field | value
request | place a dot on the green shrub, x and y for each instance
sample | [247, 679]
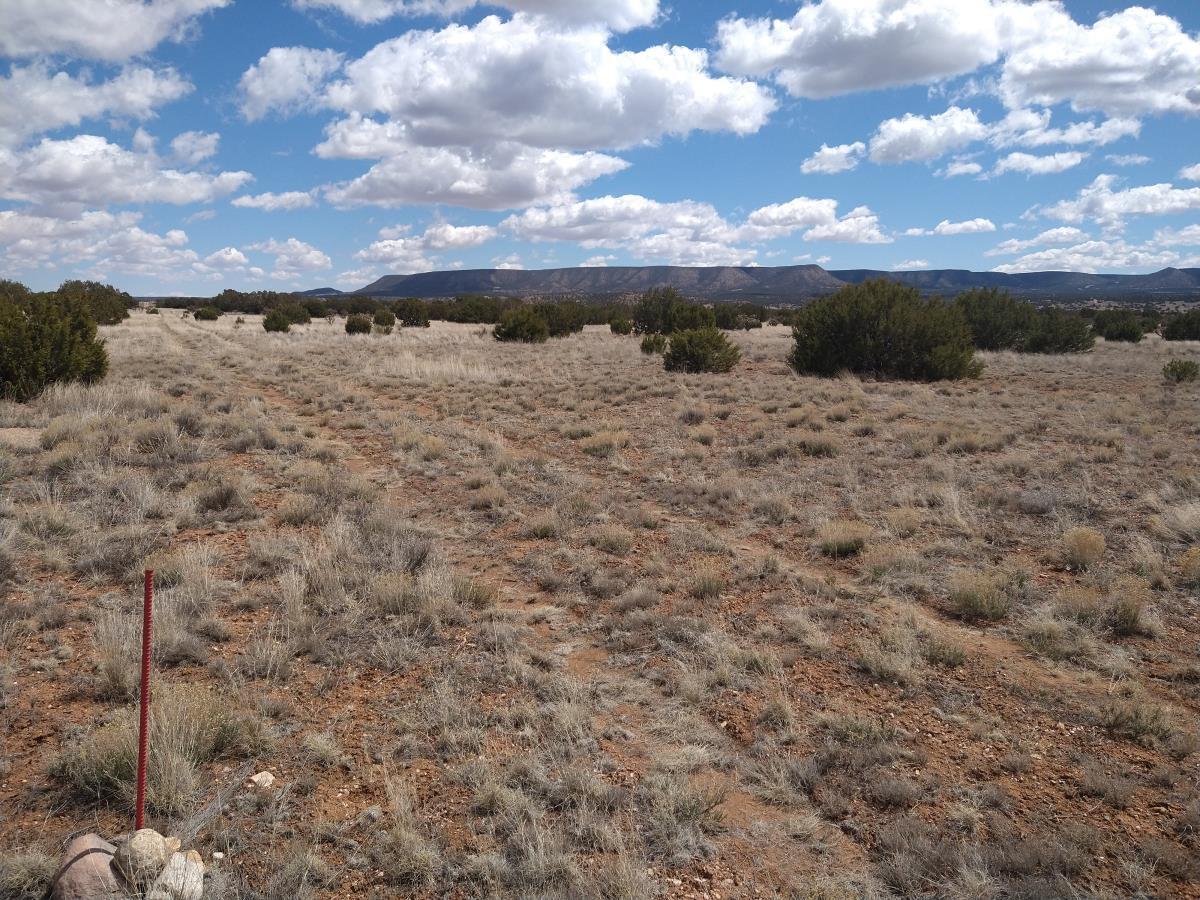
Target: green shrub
[700, 350]
[1184, 327]
[654, 343]
[358, 324]
[297, 314]
[107, 305]
[1179, 371]
[45, 338]
[152, 311]
[276, 320]
[523, 325]
[997, 320]
[562, 318]
[665, 311]
[885, 329]
[738, 316]
[385, 320]
[1000, 322]
[412, 313]
[1118, 325]
[206, 314]
[621, 325]
[1056, 331]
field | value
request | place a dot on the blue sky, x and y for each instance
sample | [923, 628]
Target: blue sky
[184, 146]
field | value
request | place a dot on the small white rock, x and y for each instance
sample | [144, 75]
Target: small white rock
[182, 879]
[262, 780]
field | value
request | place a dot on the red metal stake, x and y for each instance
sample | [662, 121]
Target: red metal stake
[147, 606]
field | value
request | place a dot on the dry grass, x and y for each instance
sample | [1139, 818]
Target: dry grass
[543, 621]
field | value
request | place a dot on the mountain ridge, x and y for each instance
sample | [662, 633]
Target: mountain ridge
[764, 282]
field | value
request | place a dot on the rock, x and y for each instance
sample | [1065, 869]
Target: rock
[142, 856]
[181, 879]
[173, 844]
[87, 871]
[262, 780]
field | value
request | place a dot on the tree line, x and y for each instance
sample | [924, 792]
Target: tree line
[879, 328]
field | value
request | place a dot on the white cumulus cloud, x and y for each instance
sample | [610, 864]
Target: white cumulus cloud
[620, 15]
[1032, 164]
[35, 99]
[87, 170]
[194, 147]
[112, 30]
[1099, 202]
[1130, 63]
[405, 252]
[831, 160]
[913, 138]
[1051, 237]
[946, 227]
[286, 80]
[504, 176]
[293, 257]
[271, 202]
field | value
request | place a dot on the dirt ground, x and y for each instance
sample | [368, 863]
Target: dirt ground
[547, 621]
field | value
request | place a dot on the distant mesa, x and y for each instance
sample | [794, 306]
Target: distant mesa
[763, 283]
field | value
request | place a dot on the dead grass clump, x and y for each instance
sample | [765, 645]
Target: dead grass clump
[302, 509]
[775, 509]
[226, 499]
[1056, 638]
[426, 598]
[890, 656]
[612, 539]
[543, 527]
[189, 725]
[679, 818]
[114, 554]
[605, 443]
[817, 445]
[268, 654]
[324, 751]
[488, 497]
[402, 852]
[1083, 547]
[842, 537]
[640, 597]
[979, 597]
[1112, 789]
[8, 561]
[1137, 718]
[26, 875]
[1120, 609]
[1189, 567]
[905, 520]
[1180, 523]
[894, 792]
[941, 651]
[706, 585]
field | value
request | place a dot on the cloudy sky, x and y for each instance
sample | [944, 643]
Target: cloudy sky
[183, 146]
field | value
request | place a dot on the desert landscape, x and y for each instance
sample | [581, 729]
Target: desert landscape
[544, 621]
